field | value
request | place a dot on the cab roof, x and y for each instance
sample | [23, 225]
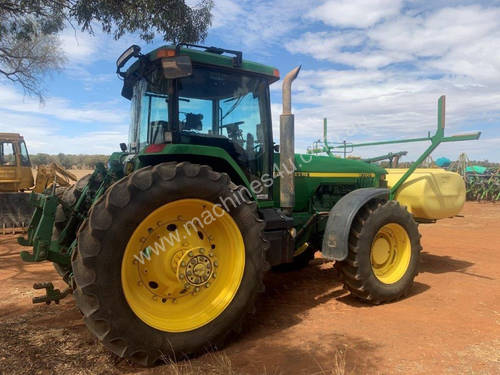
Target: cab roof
[10, 137]
[211, 56]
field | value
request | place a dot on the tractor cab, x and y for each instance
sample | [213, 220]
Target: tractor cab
[184, 95]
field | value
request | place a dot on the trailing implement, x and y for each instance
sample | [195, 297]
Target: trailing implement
[165, 248]
[483, 184]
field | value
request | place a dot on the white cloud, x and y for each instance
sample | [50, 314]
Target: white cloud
[225, 13]
[60, 126]
[78, 46]
[43, 135]
[355, 13]
[257, 24]
[395, 69]
[62, 109]
[451, 40]
[374, 104]
[82, 48]
[397, 59]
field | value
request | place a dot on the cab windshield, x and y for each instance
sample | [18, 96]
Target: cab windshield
[211, 107]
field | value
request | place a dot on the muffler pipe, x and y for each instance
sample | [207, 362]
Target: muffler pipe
[287, 146]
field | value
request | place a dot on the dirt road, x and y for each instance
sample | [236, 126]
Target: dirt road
[305, 323]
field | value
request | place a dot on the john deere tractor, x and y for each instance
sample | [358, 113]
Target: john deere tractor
[164, 249]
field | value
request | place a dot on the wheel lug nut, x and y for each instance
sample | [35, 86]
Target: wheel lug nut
[183, 264]
[211, 254]
[202, 250]
[207, 285]
[197, 289]
[214, 275]
[190, 254]
[181, 276]
[216, 264]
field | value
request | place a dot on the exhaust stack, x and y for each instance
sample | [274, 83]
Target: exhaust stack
[287, 146]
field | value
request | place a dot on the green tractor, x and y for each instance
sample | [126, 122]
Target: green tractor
[165, 248]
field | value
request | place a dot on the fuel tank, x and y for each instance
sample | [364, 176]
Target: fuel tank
[429, 193]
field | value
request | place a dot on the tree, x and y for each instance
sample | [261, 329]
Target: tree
[29, 46]
[28, 42]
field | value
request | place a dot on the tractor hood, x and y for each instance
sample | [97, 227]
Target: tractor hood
[331, 178]
[308, 163]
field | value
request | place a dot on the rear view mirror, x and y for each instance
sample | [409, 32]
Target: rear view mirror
[132, 51]
[176, 67]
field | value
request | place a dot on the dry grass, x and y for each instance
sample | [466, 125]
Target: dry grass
[216, 363]
[338, 366]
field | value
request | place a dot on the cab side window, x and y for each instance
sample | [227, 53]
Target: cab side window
[7, 155]
[25, 159]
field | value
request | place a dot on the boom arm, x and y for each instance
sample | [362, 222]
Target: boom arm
[436, 140]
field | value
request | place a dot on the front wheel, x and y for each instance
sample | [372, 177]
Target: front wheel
[384, 252]
[169, 262]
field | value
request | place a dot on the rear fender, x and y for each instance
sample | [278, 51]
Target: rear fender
[336, 238]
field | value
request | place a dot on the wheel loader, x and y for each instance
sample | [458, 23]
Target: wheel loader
[16, 178]
[164, 248]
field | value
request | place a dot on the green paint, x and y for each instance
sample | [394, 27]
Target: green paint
[42, 223]
[183, 150]
[305, 186]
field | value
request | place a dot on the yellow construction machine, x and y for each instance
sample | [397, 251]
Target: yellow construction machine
[16, 179]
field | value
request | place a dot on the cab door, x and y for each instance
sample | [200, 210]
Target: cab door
[9, 179]
[25, 172]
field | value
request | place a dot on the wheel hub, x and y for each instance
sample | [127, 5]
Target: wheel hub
[196, 268]
[381, 251]
[390, 253]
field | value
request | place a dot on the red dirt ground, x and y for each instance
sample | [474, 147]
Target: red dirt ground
[306, 323]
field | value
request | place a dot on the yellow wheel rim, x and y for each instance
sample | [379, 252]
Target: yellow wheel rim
[183, 265]
[390, 253]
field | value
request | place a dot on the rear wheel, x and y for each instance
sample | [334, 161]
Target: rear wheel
[162, 270]
[384, 251]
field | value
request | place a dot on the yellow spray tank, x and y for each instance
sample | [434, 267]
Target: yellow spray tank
[429, 193]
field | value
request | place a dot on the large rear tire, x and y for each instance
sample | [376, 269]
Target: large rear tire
[384, 252]
[171, 305]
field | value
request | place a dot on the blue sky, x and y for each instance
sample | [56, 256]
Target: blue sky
[374, 68]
